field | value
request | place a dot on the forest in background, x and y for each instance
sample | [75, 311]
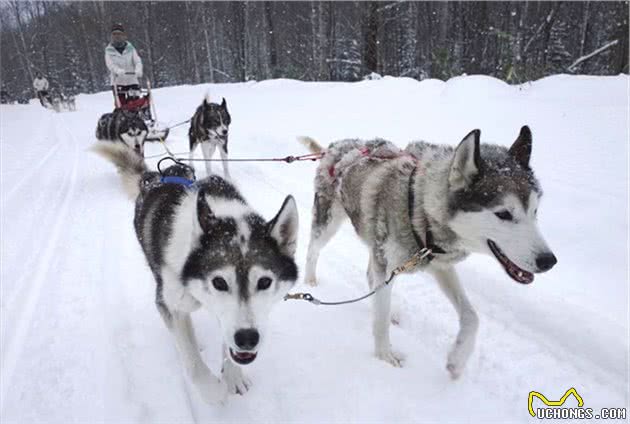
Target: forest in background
[189, 42]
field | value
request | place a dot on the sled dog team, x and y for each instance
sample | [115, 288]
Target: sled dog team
[208, 248]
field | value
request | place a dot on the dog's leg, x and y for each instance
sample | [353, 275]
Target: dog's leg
[382, 306]
[233, 375]
[468, 321]
[191, 154]
[224, 156]
[211, 388]
[328, 216]
[208, 150]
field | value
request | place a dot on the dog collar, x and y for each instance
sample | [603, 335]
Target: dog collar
[178, 180]
[429, 249]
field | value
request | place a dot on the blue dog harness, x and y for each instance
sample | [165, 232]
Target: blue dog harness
[189, 184]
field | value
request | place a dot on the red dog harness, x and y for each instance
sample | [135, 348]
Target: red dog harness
[365, 152]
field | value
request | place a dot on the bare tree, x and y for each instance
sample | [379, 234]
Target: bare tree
[209, 51]
[370, 37]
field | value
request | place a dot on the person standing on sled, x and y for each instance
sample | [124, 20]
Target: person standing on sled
[123, 62]
[40, 84]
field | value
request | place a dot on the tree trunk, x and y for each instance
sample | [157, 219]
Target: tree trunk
[585, 17]
[239, 34]
[207, 40]
[370, 37]
[191, 42]
[271, 40]
[86, 44]
[322, 68]
[25, 58]
[148, 37]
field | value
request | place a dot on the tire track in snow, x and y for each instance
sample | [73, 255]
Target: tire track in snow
[13, 347]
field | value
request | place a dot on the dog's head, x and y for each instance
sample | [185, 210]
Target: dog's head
[493, 202]
[215, 120]
[132, 129]
[241, 267]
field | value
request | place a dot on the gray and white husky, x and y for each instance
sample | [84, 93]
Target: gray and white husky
[207, 248]
[123, 126]
[451, 201]
[209, 127]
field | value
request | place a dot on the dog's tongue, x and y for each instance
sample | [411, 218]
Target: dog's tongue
[519, 275]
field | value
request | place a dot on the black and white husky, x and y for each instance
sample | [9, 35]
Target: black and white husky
[209, 127]
[445, 202]
[207, 248]
[125, 127]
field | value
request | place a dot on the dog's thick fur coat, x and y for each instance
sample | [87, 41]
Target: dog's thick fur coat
[209, 128]
[122, 126]
[473, 198]
[207, 248]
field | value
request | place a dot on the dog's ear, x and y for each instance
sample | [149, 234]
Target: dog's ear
[284, 226]
[521, 150]
[206, 100]
[204, 214]
[224, 104]
[466, 163]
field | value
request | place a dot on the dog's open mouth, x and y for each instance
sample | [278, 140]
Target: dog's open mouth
[519, 275]
[243, 358]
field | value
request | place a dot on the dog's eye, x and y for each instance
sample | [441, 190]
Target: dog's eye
[220, 284]
[264, 283]
[504, 215]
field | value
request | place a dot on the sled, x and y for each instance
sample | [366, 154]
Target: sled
[141, 102]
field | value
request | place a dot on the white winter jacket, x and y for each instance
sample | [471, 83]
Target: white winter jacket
[40, 84]
[125, 68]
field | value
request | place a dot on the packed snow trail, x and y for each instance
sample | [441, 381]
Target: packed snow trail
[82, 341]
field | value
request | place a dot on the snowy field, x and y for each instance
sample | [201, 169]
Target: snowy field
[82, 341]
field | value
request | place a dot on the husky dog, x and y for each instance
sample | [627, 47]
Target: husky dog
[125, 127]
[68, 102]
[207, 248]
[56, 103]
[209, 127]
[438, 200]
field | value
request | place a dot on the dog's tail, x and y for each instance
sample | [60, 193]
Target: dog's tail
[130, 165]
[312, 145]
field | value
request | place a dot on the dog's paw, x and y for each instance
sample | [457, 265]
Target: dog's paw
[454, 370]
[236, 381]
[311, 281]
[211, 389]
[455, 363]
[458, 357]
[392, 358]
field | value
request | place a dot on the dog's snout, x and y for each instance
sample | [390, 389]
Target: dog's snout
[546, 261]
[223, 131]
[246, 338]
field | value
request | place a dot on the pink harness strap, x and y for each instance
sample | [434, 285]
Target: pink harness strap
[365, 151]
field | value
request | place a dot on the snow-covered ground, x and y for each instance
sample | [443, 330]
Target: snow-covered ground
[82, 341]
